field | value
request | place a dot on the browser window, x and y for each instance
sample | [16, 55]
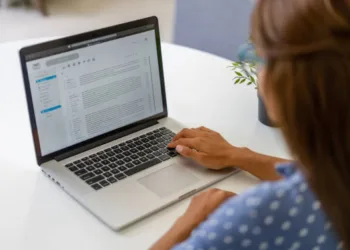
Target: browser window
[96, 88]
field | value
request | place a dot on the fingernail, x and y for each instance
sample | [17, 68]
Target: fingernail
[179, 148]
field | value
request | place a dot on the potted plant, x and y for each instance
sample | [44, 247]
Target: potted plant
[246, 73]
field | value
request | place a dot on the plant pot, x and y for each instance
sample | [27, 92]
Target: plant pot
[263, 116]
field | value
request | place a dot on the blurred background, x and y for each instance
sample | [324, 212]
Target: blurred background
[215, 26]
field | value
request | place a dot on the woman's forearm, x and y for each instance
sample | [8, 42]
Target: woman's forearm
[259, 165]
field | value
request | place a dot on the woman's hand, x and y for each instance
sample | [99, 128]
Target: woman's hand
[199, 209]
[206, 147]
[202, 205]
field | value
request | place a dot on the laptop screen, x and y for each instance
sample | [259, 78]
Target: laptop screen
[89, 88]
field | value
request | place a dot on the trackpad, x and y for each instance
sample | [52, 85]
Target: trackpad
[168, 181]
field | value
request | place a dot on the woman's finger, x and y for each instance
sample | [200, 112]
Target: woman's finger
[188, 142]
[202, 128]
[190, 153]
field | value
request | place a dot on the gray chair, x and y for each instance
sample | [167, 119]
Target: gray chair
[215, 26]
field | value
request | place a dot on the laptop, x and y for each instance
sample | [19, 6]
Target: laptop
[100, 125]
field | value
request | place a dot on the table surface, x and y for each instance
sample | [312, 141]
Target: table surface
[36, 214]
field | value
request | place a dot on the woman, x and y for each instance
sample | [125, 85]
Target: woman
[305, 83]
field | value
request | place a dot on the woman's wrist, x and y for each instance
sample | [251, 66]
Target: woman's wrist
[239, 157]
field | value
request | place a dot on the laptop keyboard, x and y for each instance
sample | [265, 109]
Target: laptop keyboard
[116, 163]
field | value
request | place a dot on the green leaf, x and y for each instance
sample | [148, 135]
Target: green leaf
[249, 83]
[239, 74]
[243, 80]
[252, 79]
[237, 81]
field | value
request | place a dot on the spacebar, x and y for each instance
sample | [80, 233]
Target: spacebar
[142, 167]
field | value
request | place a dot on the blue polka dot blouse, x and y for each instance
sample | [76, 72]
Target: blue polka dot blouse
[273, 215]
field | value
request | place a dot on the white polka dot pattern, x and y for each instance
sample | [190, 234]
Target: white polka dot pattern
[284, 215]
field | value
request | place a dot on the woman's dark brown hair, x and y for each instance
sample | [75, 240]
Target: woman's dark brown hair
[306, 44]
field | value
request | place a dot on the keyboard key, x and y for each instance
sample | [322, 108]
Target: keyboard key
[146, 145]
[157, 135]
[77, 162]
[164, 157]
[131, 145]
[95, 159]
[172, 154]
[98, 172]
[120, 176]
[100, 153]
[104, 183]
[110, 154]
[117, 151]
[95, 179]
[160, 140]
[127, 153]
[112, 165]
[162, 128]
[73, 168]
[87, 176]
[120, 162]
[136, 162]
[115, 147]
[96, 186]
[133, 150]
[93, 155]
[144, 140]
[112, 180]
[151, 137]
[154, 143]
[142, 167]
[129, 165]
[127, 159]
[122, 168]
[108, 150]
[80, 172]
[140, 148]
[150, 156]
[154, 148]
[103, 157]
[143, 136]
[81, 165]
[138, 143]
[105, 162]
[69, 165]
[88, 162]
[98, 165]
[147, 150]
[120, 156]
[115, 171]
[157, 153]
[85, 159]
[90, 168]
[112, 159]
[122, 144]
[143, 159]
[141, 154]
[134, 157]
[105, 168]
[125, 148]
[161, 146]
[108, 174]
[163, 150]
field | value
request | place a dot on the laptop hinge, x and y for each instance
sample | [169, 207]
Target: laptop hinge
[105, 140]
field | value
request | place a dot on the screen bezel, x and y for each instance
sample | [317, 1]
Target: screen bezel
[81, 38]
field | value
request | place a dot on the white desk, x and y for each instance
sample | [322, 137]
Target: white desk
[36, 214]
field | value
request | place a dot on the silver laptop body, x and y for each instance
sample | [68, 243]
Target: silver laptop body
[100, 125]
